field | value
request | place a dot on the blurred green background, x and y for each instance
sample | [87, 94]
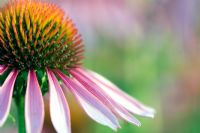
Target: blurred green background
[150, 49]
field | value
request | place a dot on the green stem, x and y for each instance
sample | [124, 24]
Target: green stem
[20, 110]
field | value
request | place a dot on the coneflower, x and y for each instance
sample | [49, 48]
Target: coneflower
[40, 46]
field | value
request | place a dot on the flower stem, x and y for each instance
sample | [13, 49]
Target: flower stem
[20, 110]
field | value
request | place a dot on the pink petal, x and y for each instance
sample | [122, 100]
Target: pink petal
[3, 68]
[6, 91]
[118, 95]
[104, 97]
[124, 114]
[59, 109]
[91, 87]
[92, 106]
[34, 105]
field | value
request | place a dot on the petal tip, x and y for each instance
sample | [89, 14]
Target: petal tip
[138, 124]
[2, 123]
[152, 115]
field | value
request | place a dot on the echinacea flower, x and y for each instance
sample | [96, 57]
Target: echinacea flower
[39, 46]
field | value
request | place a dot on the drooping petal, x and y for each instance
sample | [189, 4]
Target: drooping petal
[91, 87]
[92, 106]
[3, 68]
[34, 105]
[118, 95]
[6, 91]
[125, 115]
[59, 109]
[104, 97]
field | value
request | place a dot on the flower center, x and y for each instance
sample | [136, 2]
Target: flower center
[36, 35]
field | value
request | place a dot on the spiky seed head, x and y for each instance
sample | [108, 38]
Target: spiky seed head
[36, 35]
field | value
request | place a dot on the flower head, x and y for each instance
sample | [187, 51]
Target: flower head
[36, 35]
[40, 46]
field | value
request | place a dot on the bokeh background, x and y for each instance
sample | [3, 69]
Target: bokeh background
[150, 49]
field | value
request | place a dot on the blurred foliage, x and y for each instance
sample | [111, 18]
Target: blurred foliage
[139, 67]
